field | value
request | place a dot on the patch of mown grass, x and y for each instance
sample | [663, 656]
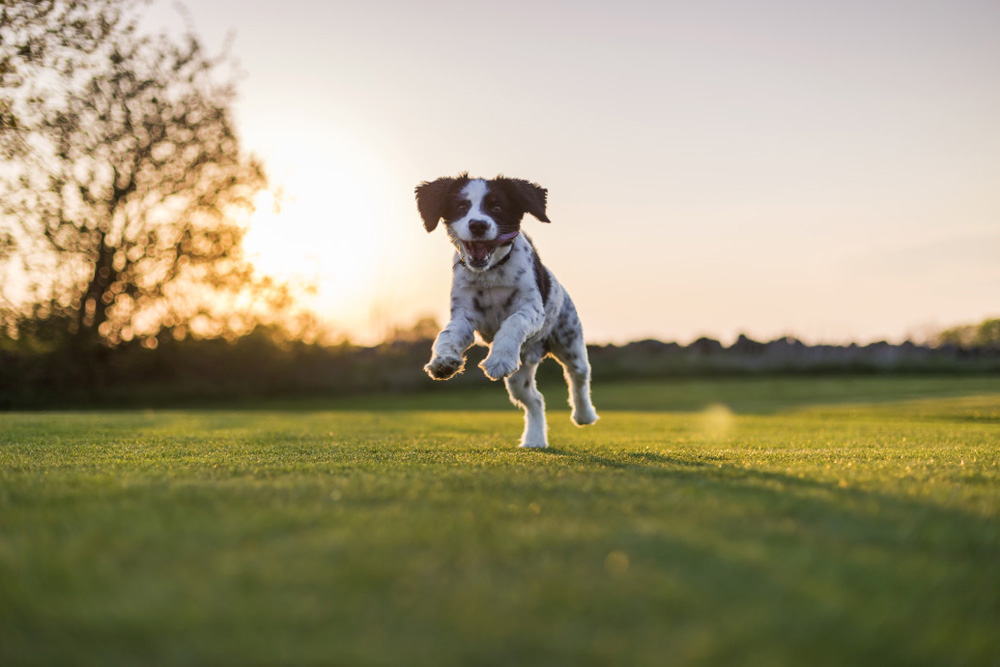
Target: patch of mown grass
[746, 394]
[836, 533]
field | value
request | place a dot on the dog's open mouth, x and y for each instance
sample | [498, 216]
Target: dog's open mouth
[478, 253]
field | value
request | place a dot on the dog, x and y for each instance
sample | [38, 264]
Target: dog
[502, 291]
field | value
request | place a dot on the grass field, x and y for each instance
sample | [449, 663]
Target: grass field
[797, 521]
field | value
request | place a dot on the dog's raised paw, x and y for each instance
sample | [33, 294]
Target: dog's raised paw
[498, 367]
[444, 367]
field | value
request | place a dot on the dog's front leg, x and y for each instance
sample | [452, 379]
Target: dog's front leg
[505, 352]
[447, 354]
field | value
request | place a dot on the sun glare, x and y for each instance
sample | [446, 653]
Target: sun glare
[320, 228]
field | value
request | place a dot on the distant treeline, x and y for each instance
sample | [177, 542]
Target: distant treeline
[261, 365]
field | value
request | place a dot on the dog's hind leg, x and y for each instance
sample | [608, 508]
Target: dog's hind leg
[576, 370]
[524, 394]
[570, 350]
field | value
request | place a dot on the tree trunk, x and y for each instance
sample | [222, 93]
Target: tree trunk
[93, 308]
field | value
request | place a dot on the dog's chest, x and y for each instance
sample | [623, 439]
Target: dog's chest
[489, 308]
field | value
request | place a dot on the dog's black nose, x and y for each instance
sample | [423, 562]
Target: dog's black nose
[478, 227]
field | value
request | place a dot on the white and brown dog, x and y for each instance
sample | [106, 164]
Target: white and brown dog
[501, 290]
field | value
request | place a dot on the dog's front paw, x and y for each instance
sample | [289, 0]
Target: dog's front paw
[442, 367]
[498, 366]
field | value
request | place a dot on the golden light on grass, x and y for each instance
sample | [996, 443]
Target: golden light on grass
[617, 563]
[717, 421]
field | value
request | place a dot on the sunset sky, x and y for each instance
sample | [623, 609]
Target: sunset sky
[819, 169]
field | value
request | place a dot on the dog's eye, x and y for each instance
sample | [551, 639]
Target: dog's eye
[461, 207]
[496, 208]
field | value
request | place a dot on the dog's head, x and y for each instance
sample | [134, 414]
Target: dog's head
[482, 217]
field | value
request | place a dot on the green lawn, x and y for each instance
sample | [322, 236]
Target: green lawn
[791, 522]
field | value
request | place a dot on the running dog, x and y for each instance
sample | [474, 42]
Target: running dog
[502, 291]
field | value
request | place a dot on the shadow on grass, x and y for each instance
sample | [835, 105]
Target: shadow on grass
[855, 574]
[652, 464]
[845, 503]
[715, 562]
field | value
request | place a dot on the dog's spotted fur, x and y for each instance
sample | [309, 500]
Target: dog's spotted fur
[502, 291]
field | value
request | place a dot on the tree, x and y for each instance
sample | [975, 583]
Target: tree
[126, 189]
[984, 334]
[49, 36]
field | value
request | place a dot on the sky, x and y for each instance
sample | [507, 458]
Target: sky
[824, 170]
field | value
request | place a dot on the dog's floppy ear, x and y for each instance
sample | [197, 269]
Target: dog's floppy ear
[432, 198]
[529, 196]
